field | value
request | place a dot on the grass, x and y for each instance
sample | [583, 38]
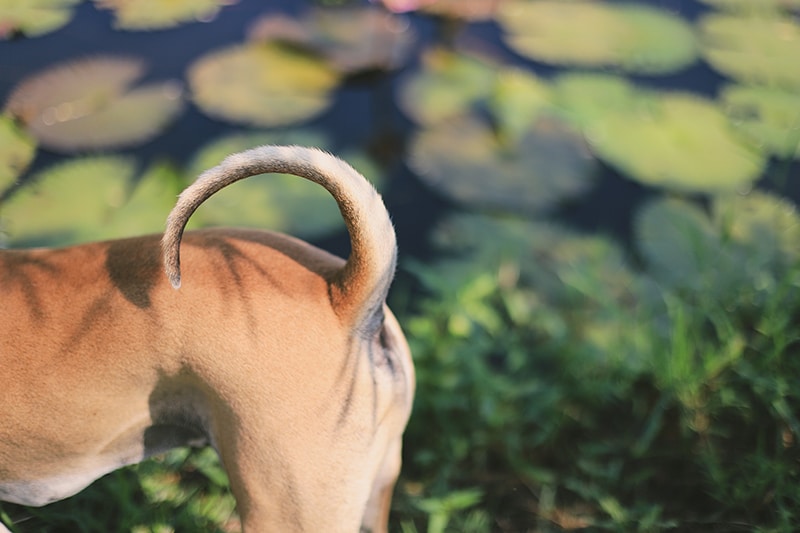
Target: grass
[560, 395]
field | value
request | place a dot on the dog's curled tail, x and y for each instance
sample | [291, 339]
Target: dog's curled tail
[360, 288]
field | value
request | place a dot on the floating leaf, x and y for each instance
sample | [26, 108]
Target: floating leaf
[768, 117]
[160, 14]
[679, 244]
[470, 10]
[17, 149]
[68, 203]
[447, 85]
[738, 255]
[281, 28]
[759, 50]
[88, 104]
[766, 228]
[353, 39]
[674, 140]
[750, 5]
[277, 202]
[464, 160]
[632, 37]
[146, 208]
[517, 100]
[33, 17]
[261, 84]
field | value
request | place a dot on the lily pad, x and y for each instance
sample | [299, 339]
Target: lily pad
[750, 5]
[739, 253]
[261, 84]
[447, 85]
[680, 245]
[17, 149]
[464, 160]
[277, 202]
[353, 39]
[517, 100]
[33, 17]
[160, 14]
[765, 226]
[769, 117]
[635, 38]
[758, 50]
[673, 140]
[68, 203]
[469, 10]
[89, 104]
[147, 206]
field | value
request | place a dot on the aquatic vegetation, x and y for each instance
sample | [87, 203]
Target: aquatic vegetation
[261, 84]
[467, 162]
[446, 85]
[635, 38]
[768, 117]
[748, 6]
[152, 15]
[382, 41]
[753, 49]
[91, 104]
[16, 151]
[33, 17]
[683, 142]
[44, 212]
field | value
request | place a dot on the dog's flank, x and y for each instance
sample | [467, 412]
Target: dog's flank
[282, 356]
[364, 281]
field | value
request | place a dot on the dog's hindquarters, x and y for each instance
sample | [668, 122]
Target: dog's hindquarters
[362, 452]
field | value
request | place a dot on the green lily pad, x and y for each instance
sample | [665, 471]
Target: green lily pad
[451, 84]
[679, 244]
[160, 14]
[147, 206]
[469, 10]
[517, 99]
[17, 149]
[261, 84]
[588, 98]
[766, 227]
[89, 104]
[447, 85]
[353, 39]
[33, 17]
[276, 202]
[673, 140]
[464, 160]
[581, 33]
[751, 6]
[738, 254]
[758, 50]
[68, 203]
[769, 117]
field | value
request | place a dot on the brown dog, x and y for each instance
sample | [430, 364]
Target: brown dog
[280, 355]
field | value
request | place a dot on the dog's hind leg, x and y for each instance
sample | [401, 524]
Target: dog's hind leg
[304, 485]
[376, 515]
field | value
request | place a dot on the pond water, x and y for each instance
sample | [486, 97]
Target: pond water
[366, 111]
